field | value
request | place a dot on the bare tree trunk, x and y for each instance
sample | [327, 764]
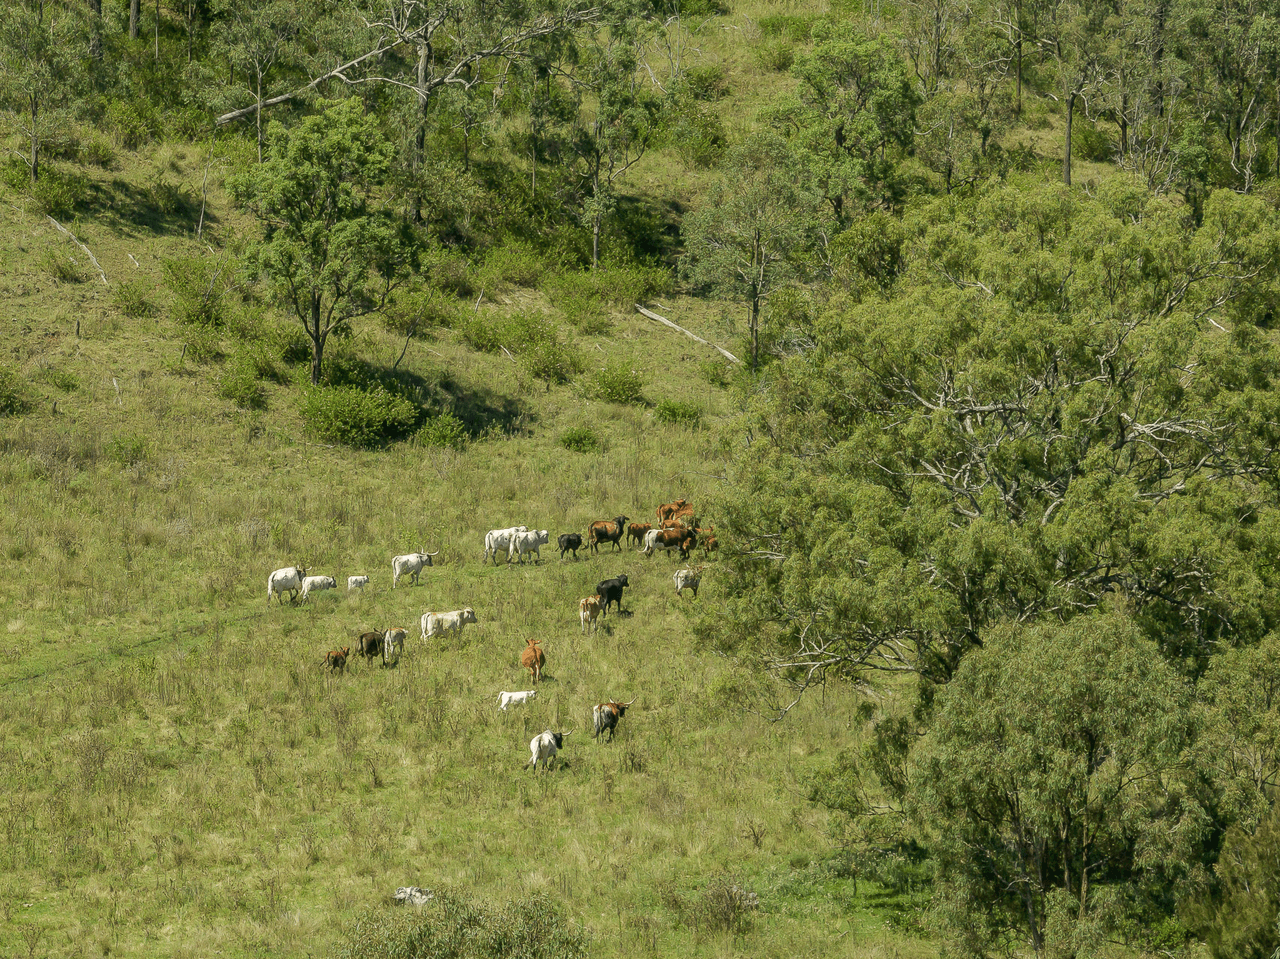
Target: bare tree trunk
[134, 11]
[95, 29]
[1066, 156]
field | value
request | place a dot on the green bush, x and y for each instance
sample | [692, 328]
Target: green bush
[454, 928]
[533, 338]
[1089, 142]
[581, 439]
[680, 413]
[617, 383]
[416, 311]
[788, 26]
[357, 418]
[706, 81]
[13, 393]
[164, 196]
[515, 263]
[127, 450]
[15, 173]
[240, 384]
[775, 55]
[134, 122]
[444, 429]
[63, 380]
[200, 286]
[132, 299]
[620, 286]
[99, 152]
[449, 271]
[202, 343]
[698, 135]
[58, 192]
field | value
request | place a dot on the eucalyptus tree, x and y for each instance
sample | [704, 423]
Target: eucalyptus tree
[37, 69]
[756, 228]
[331, 246]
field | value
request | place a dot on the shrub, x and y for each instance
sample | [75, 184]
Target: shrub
[416, 311]
[13, 393]
[134, 122]
[126, 450]
[15, 173]
[1088, 142]
[57, 192]
[62, 266]
[621, 286]
[60, 379]
[202, 343]
[99, 152]
[240, 384]
[774, 55]
[533, 338]
[581, 439]
[788, 26]
[444, 429]
[454, 928]
[165, 197]
[617, 383]
[706, 81]
[449, 271]
[727, 906]
[200, 287]
[677, 412]
[355, 417]
[131, 298]
[514, 263]
[698, 136]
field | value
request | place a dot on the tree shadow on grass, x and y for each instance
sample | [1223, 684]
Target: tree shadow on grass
[480, 409]
[156, 206]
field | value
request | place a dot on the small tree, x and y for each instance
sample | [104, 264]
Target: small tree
[36, 65]
[755, 229]
[331, 248]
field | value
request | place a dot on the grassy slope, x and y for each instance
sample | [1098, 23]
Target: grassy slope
[182, 777]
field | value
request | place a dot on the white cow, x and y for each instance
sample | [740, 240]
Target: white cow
[433, 624]
[315, 584]
[289, 578]
[543, 748]
[393, 644]
[500, 539]
[688, 579]
[509, 699]
[357, 582]
[410, 564]
[527, 541]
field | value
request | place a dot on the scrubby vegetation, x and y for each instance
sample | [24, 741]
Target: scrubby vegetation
[980, 408]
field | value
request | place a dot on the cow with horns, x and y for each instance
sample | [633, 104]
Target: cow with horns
[607, 716]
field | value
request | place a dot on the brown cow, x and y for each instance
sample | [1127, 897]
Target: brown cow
[636, 532]
[603, 531]
[707, 538]
[336, 659]
[533, 659]
[680, 512]
[669, 539]
[369, 645]
[589, 612]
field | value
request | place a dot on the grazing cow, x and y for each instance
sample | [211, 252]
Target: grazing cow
[543, 748]
[527, 541]
[533, 659]
[688, 579]
[410, 564]
[675, 511]
[707, 538]
[500, 539]
[369, 645]
[606, 717]
[610, 591]
[336, 659]
[433, 624]
[357, 582]
[316, 584]
[669, 539]
[516, 699]
[589, 612]
[602, 531]
[636, 531]
[393, 641]
[569, 542]
[289, 578]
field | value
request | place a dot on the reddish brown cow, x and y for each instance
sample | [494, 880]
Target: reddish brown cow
[668, 510]
[336, 659]
[707, 538]
[669, 539]
[636, 532]
[602, 531]
[533, 659]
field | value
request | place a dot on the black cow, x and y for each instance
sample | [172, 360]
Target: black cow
[611, 592]
[369, 644]
[570, 542]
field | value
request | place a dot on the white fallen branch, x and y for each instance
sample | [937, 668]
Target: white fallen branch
[65, 232]
[693, 336]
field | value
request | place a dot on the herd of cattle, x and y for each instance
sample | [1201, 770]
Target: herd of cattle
[677, 529]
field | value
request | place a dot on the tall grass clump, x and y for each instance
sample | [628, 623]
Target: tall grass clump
[358, 418]
[533, 338]
[414, 312]
[580, 439]
[454, 928]
[616, 383]
[239, 382]
[14, 400]
[132, 298]
[444, 429]
[678, 413]
[201, 289]
[515, 263]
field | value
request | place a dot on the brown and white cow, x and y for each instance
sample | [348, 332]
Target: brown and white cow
[636, 532]
[669, 539]
[607, 715]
